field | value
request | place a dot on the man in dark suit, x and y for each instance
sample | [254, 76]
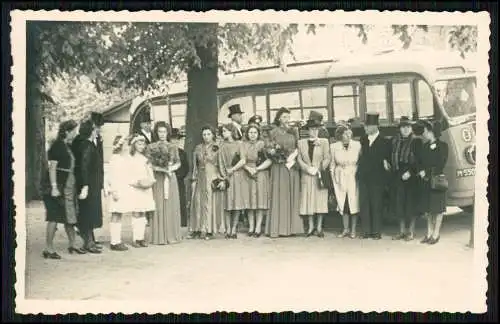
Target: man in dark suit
[181, 174]
[145, 128]
[372, 176]
[236, 116]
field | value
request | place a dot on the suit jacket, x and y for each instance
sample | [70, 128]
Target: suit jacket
[182, 172]
[148, 141]
[371, 161]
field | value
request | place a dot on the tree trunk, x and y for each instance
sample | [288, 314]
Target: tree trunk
[202, 92]
[35, 163]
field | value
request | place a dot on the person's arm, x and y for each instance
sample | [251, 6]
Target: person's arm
[326, 154]
[174, 151]
[302, 164]
[241, 162]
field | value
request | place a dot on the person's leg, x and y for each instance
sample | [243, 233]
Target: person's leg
[365, 210]
[70, 232]
[251, 221]
[115, 229]
[377, 199]
[319, 224]
[236, 219]
[227, 217]
[428, 219]
[354, 222]
[310, 221]
[437, 227]
[49, 236]
[258, 224]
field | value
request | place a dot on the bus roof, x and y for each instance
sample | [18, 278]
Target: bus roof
[430, 64]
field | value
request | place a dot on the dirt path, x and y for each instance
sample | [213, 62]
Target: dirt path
[263, 274]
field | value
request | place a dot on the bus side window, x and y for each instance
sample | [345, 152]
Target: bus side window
[289, 100]
[178, 111]
[345, 101]
[314, 99]
[376, 99]
[425, 100]
[402, 100]
[261, 108]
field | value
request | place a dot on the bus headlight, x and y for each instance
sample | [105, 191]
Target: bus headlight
[466, 134]
[470, 154]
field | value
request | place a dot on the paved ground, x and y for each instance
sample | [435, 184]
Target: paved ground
[264, 274]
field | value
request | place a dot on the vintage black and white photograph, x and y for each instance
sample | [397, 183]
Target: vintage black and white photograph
[184, 162]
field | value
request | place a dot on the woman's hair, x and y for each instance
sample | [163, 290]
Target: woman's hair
[117, 146]
[134, 139]
[65, 127]
[211, 129]
[252, 126]
[341, 129]
[86, 128]
[434, 127]
[230, 127]
[159, 125]
[280, 112]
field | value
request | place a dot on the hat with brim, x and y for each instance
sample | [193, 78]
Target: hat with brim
[405, 121]
[434, 126]
[257, 119]
[314, 115]
[313, 123]
[234, 109]
[176, 133]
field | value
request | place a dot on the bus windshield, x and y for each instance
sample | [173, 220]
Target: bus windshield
[457, 96]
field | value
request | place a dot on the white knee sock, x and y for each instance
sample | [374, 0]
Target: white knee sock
[138, 228]
[115, 230]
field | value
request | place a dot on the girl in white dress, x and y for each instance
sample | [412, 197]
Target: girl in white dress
[141, 192]
[118, 183]
[345, 154]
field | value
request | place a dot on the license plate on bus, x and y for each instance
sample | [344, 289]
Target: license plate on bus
[470, 172]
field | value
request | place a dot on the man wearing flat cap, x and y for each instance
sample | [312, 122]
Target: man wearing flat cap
[236, 116]
[372, 174]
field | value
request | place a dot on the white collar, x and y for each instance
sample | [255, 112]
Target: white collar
[373, 137]
[236, 124]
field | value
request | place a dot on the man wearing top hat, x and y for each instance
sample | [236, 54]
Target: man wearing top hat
[236, 116]
[181, 174]
[372, 174]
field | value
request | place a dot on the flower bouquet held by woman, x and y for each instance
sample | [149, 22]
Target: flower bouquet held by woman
[159, 157]
[277, 154]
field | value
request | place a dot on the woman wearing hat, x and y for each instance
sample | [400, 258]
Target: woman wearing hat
[313, 158]
[345, 155]
[433, 159]
[404, 181]
[283, 218]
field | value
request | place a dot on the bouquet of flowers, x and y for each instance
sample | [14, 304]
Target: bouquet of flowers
[159, 156]
[276, 153]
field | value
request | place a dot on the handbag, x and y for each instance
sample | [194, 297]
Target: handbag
[324, 180]
[439, 182]
[216, 182]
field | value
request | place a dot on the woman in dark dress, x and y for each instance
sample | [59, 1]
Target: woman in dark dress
[89, 184]
[433, 159]
[58, 187]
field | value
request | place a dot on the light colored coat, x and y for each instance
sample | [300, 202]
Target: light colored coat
[313, 199]
[344, 164]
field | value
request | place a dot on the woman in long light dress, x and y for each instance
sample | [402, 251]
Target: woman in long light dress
[166, 223]
[345, 154]
[207, 205]
[141, 195]
[283, 218]
[313, 158]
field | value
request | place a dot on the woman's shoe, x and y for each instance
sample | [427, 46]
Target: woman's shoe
[400, 236]
[353, 235]
[51, 255]
[227, 236]
[118, 247]
[136, 244]
[311, 233]
[345, 233]
[143, 243]
[76, 250]
[433, 241]
[321, 234]
[425, 240]
[257, 235]
[250, 234]
[93, 250]
[409, 237]
[234, 236]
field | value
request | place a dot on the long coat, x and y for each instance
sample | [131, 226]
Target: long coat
[89, 174]
[313, 199]
[181, 174]
[343, 171]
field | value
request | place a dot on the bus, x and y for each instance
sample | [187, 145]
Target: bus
[420, 84]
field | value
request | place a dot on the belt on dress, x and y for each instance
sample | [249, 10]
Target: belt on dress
[64, 170]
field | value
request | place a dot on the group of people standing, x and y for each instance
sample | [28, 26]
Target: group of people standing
[280, 182]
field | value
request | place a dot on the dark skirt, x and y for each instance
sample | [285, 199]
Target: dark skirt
[55, 210]
[405, 198]
[90, 210]
[432, 201]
